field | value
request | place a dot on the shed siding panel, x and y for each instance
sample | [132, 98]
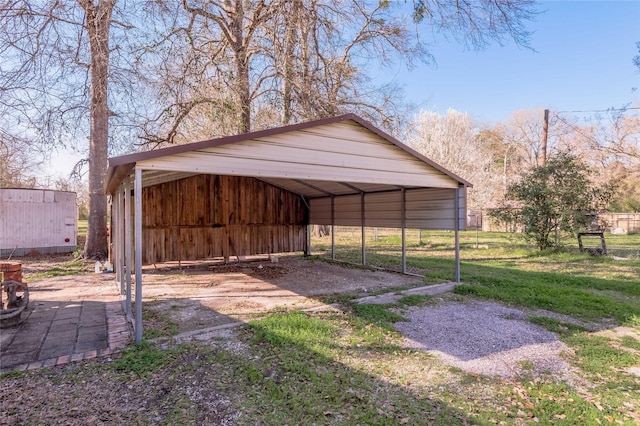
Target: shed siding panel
[37, 220]
[320, 211]
[426, 208]
[208, 216]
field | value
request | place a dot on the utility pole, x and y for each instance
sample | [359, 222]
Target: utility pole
[545, 134]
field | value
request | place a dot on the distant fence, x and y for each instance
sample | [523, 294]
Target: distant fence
[616, 223]
[620, 223]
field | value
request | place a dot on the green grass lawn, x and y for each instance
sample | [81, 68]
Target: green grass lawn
[348, 368]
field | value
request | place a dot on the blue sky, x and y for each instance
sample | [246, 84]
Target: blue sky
[582, 61]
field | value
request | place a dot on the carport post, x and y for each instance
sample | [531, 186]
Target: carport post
[403, 208]
[138, 251]
[307, 246]
[364, 249]
[127, 245]
[119, 241]
[456, 227]
[333, 234]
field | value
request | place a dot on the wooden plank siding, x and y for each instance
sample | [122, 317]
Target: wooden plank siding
[206, 216]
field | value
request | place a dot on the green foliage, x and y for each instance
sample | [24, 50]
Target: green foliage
[585, 297]
[556, 197]
[376, 314]
[11, 374]
[415, 300]
[143, 359]
[292, 328]
[557, 326]
[69, 268]
[157, 324]
[596, 354]
[630, 342]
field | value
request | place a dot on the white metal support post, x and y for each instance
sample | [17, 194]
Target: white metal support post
[138, 254]
[404, 231]
[364, 248]
[307, 245]
[333, 229]
[457, 231]
[127, 245]
[118, 241]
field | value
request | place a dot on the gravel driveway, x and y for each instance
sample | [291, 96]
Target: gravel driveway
[484, 338]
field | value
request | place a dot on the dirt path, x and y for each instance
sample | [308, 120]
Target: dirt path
[197, 296]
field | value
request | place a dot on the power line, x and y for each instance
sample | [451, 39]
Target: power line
[578, 130]
[600, 110]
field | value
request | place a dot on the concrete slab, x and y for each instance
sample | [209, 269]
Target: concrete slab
[66, 320]
[418, 291]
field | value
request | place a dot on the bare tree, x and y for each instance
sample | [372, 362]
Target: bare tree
[454, 141]
[58, 69]
[609, 144]
[237, 27]
[624, 139]
[523, 132]
[293, 60]
[98, 24]
[16, 163]
[320, 60]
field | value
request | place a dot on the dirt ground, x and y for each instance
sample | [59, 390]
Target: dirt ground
[202, 295]
[198, 295]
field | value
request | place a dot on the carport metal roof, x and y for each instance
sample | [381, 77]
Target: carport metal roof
[335, 156]
[323, 160]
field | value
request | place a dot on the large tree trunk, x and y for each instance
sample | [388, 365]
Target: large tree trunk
[242, 86]
[98, 18]
[289, 58]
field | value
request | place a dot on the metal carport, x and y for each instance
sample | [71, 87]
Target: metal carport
[347, 171]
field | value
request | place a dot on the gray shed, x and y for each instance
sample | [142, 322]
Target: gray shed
[259, 192]
[37, 221]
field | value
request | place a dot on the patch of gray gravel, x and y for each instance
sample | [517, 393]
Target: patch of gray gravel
[484, 338]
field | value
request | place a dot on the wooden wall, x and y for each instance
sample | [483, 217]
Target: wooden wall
[207, 216]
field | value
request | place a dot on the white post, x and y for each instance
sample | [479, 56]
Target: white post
[127, 245]
[138, 254]
[307, 246]
[404, 232]
[120, 242]
[457, 231]
[333, 230]
[364, 249]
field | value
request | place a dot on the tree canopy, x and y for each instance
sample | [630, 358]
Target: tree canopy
[555, 197]
[163, 72]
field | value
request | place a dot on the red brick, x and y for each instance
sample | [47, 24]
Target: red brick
[11, 271]
[10, 266]
[64, 359]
